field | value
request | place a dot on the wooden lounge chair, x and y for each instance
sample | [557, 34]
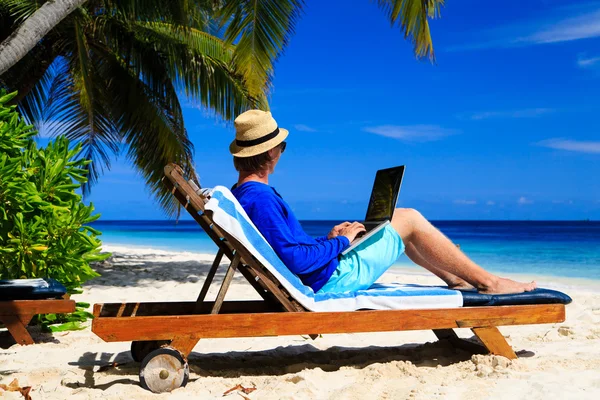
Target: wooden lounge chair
[164, 333]
[16, 314]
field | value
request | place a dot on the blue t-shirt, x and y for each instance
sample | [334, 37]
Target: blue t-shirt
[312, 259]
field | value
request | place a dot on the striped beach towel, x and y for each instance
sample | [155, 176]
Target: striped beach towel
[229, 215]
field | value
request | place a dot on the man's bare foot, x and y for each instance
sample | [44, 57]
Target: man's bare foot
[507, 286]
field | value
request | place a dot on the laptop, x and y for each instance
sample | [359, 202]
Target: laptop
[382, 204]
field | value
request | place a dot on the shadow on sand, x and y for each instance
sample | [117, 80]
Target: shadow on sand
[278, 361]
[151, 270]
[6, 340]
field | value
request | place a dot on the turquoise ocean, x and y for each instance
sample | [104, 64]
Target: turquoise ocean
[549, 248]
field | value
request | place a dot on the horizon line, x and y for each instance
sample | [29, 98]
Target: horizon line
[329, 220]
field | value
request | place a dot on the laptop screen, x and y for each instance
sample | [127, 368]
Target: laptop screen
[385, 194]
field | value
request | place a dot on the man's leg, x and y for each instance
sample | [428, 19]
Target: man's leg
[437, 250]
[453, 281]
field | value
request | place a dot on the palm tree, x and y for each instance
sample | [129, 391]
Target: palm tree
[109, 73]
[108, 76]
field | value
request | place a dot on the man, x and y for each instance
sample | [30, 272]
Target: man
[256, 150]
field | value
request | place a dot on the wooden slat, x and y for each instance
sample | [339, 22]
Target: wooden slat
[182, 308]
[494, 341]
[210, 276]
[225, 285]
[32, 307]
[298, 323]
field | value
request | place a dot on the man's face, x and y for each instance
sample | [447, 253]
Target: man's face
[275, 154]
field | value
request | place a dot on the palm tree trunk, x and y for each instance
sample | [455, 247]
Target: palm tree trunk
[21, 41]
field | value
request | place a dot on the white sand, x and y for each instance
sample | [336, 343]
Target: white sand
[557, 361]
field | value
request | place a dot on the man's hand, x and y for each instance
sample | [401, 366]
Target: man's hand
[335, 231]
[351, 230]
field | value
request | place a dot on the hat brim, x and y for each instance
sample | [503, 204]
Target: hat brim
[250, 151]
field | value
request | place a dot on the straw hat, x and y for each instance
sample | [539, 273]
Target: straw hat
[256, 131]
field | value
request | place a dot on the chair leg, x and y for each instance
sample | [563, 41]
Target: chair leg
[445, 334]
[210, 276]
[17, 329]
[25, 318]
[493, 340]
[184, 344]
[225, 285]
[450, 335]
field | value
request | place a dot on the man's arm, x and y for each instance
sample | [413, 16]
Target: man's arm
[299, 258]
[335, 231]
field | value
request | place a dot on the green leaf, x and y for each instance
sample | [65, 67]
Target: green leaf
[7, 97]
[69, 326]
[50, 317]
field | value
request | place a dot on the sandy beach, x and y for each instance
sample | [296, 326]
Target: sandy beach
[556, 360]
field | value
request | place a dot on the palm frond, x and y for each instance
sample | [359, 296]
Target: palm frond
[35, 105]
[412, 17]
[263, 28]
[21, 9]
[25, 74]
[201, 66]
[152, 130]
[195, 40]
[54, 106]
[185, 13]
[197, 63]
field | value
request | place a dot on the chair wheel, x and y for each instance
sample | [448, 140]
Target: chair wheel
[164, 370]
[141, 348]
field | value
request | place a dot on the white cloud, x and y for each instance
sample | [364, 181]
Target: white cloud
[524, 113]
[491, 203]
[562, 202]
[412, 133]
[304, 128]
[583, 26]
[559, 28]
[588, 62]
[571, 145]
[524, 200]
[466, 202]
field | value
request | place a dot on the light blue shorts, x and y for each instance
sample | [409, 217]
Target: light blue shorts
[362, 266]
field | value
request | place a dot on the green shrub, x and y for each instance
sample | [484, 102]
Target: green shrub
[43, 231]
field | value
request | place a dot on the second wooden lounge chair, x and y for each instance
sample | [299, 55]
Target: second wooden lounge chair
[164, 334]
[21, 299]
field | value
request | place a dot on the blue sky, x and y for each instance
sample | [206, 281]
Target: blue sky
[503, 126]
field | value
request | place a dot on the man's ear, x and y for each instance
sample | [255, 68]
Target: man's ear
[272, 153]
